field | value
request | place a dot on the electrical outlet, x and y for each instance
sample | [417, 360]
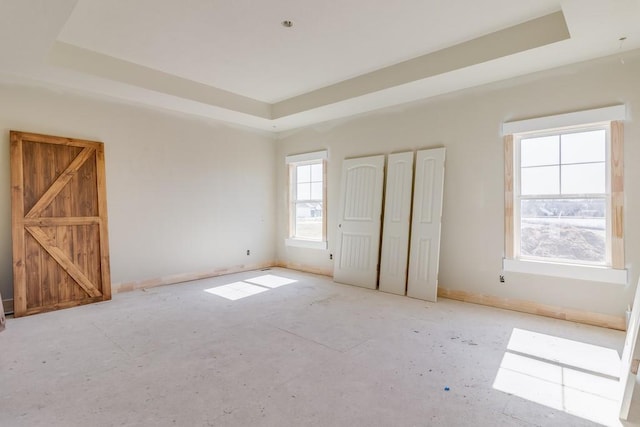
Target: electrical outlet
[248, 252]
[330, 256]
[501, 278]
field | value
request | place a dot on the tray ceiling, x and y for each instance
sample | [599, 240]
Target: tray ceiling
[234, 61]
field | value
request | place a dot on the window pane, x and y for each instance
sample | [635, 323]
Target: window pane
[540, 151]
[540, 180]
[308, 221]
[303, 173]
[564, 229]
[583, 147]
[316, 190]
[304, 192]
[316, 172]
[583, 179]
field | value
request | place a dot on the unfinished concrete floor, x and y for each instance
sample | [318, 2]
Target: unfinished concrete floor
[283, 348]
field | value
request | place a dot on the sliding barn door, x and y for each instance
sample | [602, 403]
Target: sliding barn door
[395, 230]
[425, 226]
[59, 223]
[359, 222]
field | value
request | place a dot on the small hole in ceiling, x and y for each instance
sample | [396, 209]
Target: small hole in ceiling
[287, 24]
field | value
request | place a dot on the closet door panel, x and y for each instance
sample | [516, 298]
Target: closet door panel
[424, 250]
[395, 231]
[358, 238]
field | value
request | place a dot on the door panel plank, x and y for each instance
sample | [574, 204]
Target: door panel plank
[80, 192]
[61, 258]
[60, 183]
[51, 270]
[17, 228]
[60, 204]
[44, 163]
[49, 283]
[103, 241]
[57, 140]
[92, 253]
[33, 258]
[64, 242]
[60, 221]
[79, 257]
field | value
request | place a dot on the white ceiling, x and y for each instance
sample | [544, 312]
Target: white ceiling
[241, 46]
[234, 61]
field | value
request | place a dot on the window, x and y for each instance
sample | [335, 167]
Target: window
[564, 194]
[307, 222]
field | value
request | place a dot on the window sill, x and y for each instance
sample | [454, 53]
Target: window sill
[310, 244]
[569, 271]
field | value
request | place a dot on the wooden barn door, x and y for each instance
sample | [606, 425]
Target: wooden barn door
[59, 223]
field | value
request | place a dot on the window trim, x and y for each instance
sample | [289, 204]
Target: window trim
[304, 243]
[292, 162]
[570, 271]
[577, 118]
[615, 272]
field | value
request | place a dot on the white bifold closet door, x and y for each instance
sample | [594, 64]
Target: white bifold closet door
[358, 238]
[395, 230]
[424, 250]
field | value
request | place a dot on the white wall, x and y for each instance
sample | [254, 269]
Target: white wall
[468, 124]
[184, 195]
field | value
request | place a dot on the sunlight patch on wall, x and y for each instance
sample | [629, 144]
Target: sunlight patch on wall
[577, 378]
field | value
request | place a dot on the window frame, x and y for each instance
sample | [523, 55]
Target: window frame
[293, 161]
[613, 117]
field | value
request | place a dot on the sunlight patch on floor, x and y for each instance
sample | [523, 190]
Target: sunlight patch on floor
[249, 287]
[577, 378]
[237, 290]
[271, 281]
[600, 360]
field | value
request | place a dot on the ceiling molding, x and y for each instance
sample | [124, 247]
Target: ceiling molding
[90, 62]
[532, 34]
